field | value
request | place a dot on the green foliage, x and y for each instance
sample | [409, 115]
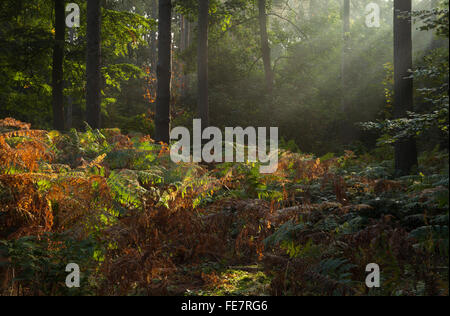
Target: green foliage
[26, 59]
[126, 189]
[345, 212]
[139, 224]
[40, 263]
[286, 233]
[338, 269]
[432, 78]
[432, 238]
[435, 19]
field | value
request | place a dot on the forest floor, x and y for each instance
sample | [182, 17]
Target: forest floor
[138, 224]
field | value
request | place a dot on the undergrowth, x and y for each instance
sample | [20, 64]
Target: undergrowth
[138, 224]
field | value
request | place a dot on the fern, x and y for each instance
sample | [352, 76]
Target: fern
[286, 232]
[432, 238]
[125, 188]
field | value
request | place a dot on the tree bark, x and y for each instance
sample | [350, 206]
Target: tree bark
[265, 48]
[162, 118]
[153, 40]
[345, 52]
[57, 70]
[69, 107]
[93, 64]
[405, 151]
[184, 44]
[203, 104]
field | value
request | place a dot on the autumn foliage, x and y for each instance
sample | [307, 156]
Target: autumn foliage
[142, 225]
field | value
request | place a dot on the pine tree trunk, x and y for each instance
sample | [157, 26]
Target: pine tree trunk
[265, 48]
[69, 108]
[162, 118]
[57, 71]
[203, 104]
[184, 44]
[405, 151]
[345, 53]
[153, 40]
[93, 64]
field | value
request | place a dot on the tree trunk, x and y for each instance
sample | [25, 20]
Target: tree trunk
[93, 64]
[153, 41]
[184, 44]
[162, 118]
[345, 53]
[182, 33]
[265, 48]
[203, 105]
[69, 108]
[405, 151]
[57, 71]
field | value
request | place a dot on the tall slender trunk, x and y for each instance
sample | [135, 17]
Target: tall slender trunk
[153, 40]
[184, 44]
[345, 53]
[185, 35]
[57, 71]
[182, 33]
[265, 48]
[203, 104]
[69, 108]
[405, 151]
[93, 64]
[162, 118]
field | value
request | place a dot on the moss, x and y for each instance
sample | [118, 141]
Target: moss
[234, 282]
